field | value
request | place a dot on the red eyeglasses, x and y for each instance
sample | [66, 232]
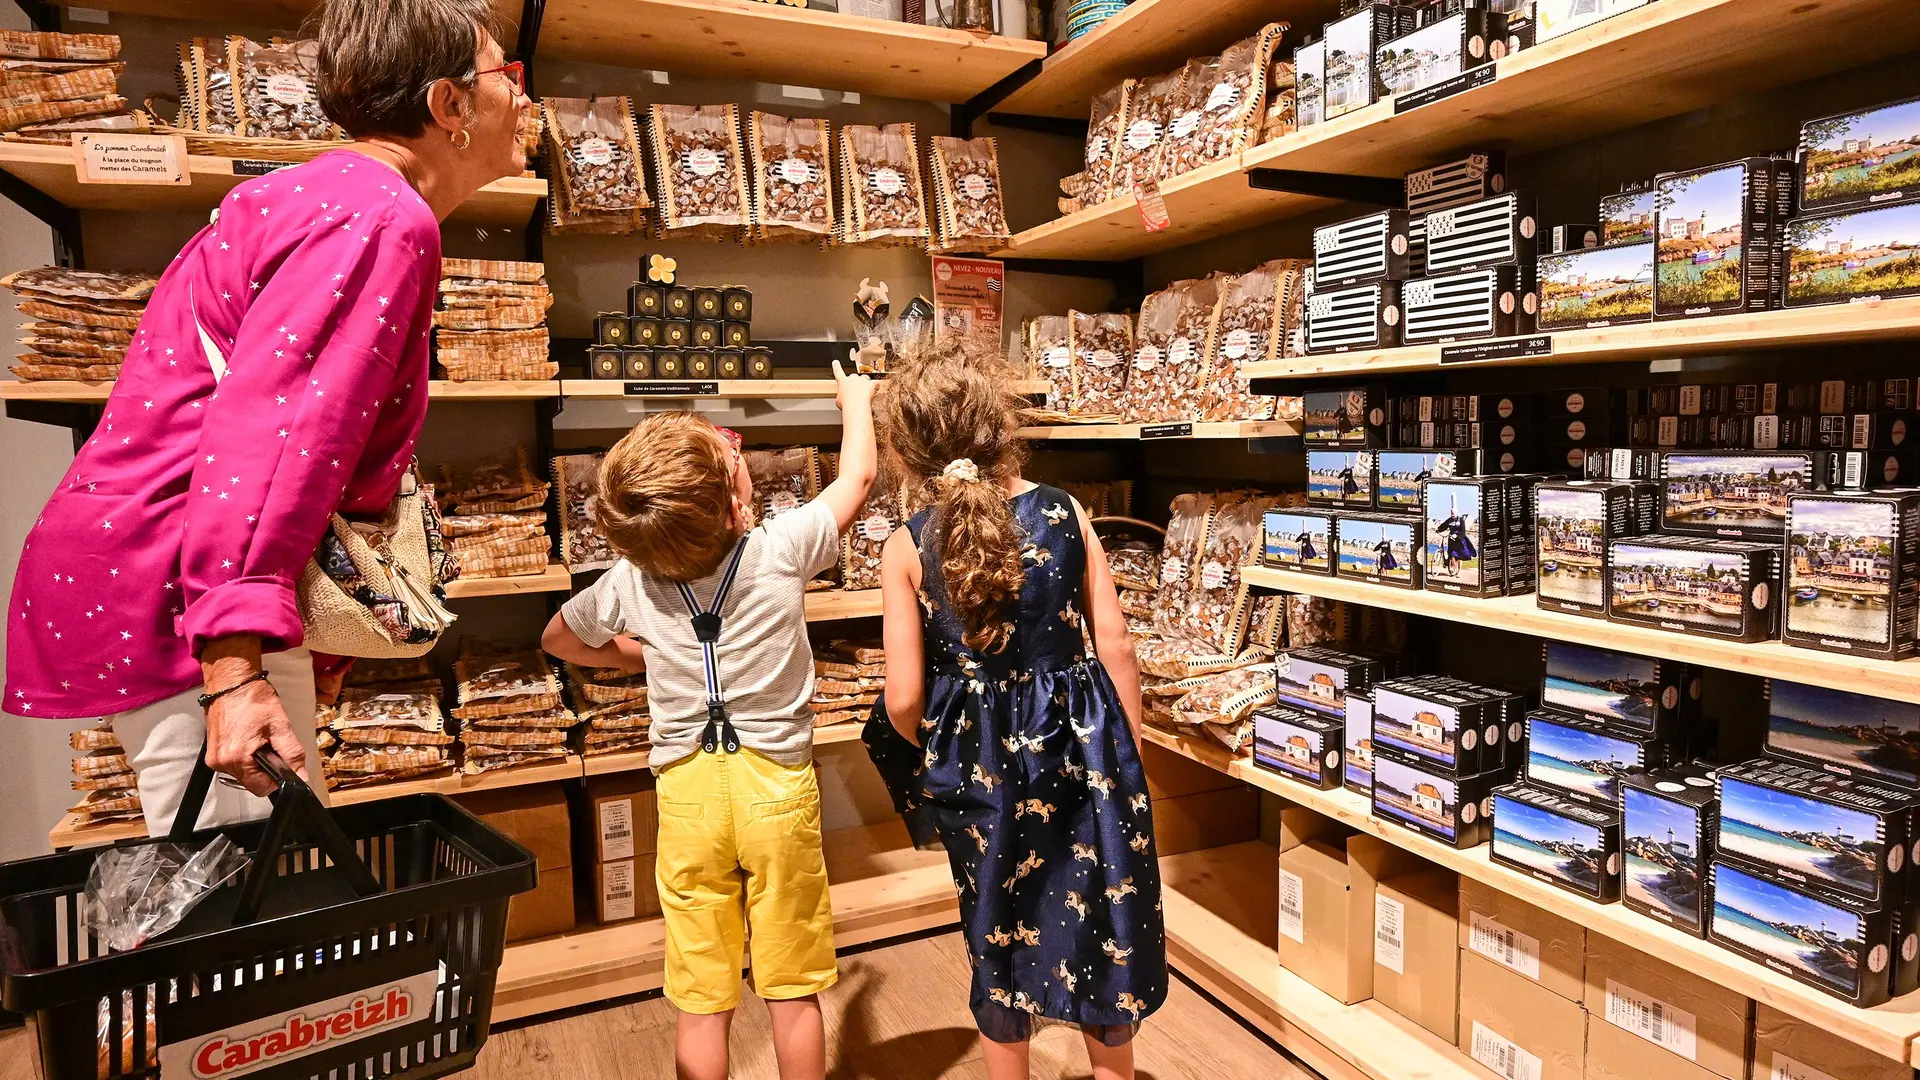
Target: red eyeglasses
[515, 72]
[732, 436]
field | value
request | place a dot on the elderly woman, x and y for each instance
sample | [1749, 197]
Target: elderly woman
[280, 374]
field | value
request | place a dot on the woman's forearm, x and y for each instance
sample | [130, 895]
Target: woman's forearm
[225, 661]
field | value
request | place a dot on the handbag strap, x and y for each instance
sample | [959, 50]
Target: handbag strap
[706, 628]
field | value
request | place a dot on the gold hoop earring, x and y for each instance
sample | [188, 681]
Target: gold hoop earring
[462, 139]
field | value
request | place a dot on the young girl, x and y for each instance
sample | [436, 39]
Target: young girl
[1024, 747]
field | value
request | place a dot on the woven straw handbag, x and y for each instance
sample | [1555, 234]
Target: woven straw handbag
[373, 589]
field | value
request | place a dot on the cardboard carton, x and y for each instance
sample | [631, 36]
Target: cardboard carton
[1791, 1048]
[1416, 951]
[1681, 1014]
[1534, 942]
[1516, 1027]
[535, 817]
[615, 817]
[1326, 912]
[1617, 1054]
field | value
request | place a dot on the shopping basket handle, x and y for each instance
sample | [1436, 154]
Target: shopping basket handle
[292, 800]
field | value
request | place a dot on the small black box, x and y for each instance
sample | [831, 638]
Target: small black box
[1669, 821]
[659, 269]
[738, 304]
[638, 363]
[610, 329]
[1351, 81]
[605, 362]
[1298, 539]
[1299, 746]
[1734, 495]
[669, 363]
[1820, 833]
[1586, 761]
[1886, 430]
[1320, 679]
[1715, 588]
[1862, 469]
[1357, 769]
[647, 300]
[1718, 240]
[1433, 802]
[706, 334]
[1466, 534]
[645, 332]
[1566, 238]
[1399, 474]
[1342, 418]
[1853, 573]
[1340, 478]
[736, 335]
[1606, 286]
[1851, 257]
[1363, 249]
[1860, 954]
[1465, 180]
[679, 303]
[676, 333]
[759, 359]
[1627, 218]
[1859, 158]
[1440, 727]
[1559, 841]
[1495, 301]
[729, 364]
[1503, 229]
[709, 303]
[699, 363]
[1381, 548]
[1574, 520]
[1847, 734]
[1359, 317]
[1624, 690]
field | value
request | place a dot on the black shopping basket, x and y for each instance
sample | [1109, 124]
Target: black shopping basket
[361, 944]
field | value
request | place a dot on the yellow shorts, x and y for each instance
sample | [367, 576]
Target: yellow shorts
[739, 848]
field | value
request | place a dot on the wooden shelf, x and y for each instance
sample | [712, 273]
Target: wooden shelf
[881, 887]
[1873, 320]
[1147, 38]
[1895, 679]
[50, 169]
[554, 578]
[439, 390]
[830, 605]
[275, 14]
[1646, 64]
[1888, 1029]
[768, 389]
[1222, 910]
[1237, 429]
[757, 42]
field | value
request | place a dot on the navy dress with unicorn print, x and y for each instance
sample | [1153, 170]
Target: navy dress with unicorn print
[1031, 776]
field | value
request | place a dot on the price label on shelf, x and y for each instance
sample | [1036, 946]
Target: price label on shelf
[672, 389]
[1166, 431]
[1440, 91]
[104, 157]
[1474, 352]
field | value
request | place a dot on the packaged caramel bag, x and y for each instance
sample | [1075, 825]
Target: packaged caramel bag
[882, 200]
[1050, 350]
[1233, 106]
[1179, 559]
[703, 181]
[214, 105]
[1281, 104]
[861, 553]
[275, 97]
[583, 546]
[1191, 348]
[792, 179]
[1148, 381]
[1102, 346]
[1256, 313]
[1180, 149]
[783, 480]
[1144, 137]
[972, 212]
[1104, 133]
[594, 149]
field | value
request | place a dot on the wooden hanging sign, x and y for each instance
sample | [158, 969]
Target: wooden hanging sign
[124, 157]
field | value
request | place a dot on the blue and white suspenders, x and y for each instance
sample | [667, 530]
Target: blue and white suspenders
[706, 627]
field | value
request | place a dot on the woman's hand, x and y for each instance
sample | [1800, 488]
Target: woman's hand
[244, 721]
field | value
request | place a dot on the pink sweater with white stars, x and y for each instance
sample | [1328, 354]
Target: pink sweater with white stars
[190, 513]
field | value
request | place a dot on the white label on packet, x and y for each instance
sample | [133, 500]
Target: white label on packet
[888, 181]
[1172, 570]
[1224, 96]
[593, 152]
[1142, 134]
[1057, 357]
[1650, 1018]
[794, 170]
[1502, 1056]
[703, 162]
[1389, 934]
[288, 89]
[1185, 124]
[1104, 358]
[1147, 358]
[616, 890]
[975, 187]
[1236, 344]
[875, 529]
[616, 829]
[1181, 351]
[1293, 899]
[1785, 1068]
[1213, 575]
[1506, 946]
[782, 501]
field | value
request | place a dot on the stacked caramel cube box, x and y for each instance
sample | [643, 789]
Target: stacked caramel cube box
[671, 331]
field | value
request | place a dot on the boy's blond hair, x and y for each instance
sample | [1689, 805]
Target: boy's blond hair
[666, 494]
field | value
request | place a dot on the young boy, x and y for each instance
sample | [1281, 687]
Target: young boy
[732, 735]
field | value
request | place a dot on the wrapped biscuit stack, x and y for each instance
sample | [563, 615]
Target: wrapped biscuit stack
[612, 703]
[849, 677]
[494, 516]
[510, 710]
[388, 725]
[82, 321]
[491, 321]
[54, 84]
[104, 778]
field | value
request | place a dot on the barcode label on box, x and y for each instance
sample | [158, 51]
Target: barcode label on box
[1650, 1018]
[1293, 900]
[1503, 1057]
[616, 829]
[616, 891]
[1785, 1068]
[1390, 934]
[1504, 945]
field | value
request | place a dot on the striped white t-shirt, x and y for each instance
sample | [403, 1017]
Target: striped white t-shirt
[766, 665]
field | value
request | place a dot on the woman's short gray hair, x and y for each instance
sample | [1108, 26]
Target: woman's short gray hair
[379, 57]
